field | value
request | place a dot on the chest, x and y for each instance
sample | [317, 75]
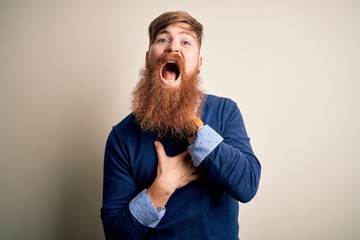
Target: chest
[144, 160]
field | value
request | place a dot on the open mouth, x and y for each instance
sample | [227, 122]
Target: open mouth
[170, 72]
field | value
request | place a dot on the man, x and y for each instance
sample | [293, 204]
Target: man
[176, 167]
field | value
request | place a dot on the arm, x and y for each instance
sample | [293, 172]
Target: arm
[118, 190]
[230, 162]
[128, 214]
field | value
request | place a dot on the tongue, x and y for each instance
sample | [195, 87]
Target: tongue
[169, 75]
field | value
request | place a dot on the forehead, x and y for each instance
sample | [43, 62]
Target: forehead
[178, 28]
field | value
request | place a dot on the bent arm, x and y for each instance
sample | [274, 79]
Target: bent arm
[231, 162]
[118, 191]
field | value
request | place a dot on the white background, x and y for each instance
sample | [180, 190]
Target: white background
[67, 69]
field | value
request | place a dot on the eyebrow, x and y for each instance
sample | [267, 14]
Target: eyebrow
[165, 31]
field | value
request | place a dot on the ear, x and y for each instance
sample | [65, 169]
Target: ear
[200, 62]
[147, 57]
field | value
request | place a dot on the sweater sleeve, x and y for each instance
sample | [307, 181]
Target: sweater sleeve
[232, 163]
[118, 191]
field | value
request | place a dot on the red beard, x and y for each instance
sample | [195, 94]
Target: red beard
[167, 111]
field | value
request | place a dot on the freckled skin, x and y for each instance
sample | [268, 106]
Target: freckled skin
[176, 39]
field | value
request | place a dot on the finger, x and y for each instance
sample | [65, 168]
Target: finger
[159, 148]
[191, 140]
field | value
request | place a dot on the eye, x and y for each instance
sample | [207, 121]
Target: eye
[186, 43]
[162, 40]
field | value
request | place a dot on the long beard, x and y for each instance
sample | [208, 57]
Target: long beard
[167, 111]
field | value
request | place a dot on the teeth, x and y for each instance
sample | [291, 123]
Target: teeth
[170, 81]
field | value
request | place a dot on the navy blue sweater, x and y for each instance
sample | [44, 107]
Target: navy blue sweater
[204, 209]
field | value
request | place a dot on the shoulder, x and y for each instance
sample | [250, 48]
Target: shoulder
[219, 102]
[125, 127]
[221, 113]
[124, 124]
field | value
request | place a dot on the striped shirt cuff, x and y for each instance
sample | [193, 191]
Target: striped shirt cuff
[206, 141]
[143, 210]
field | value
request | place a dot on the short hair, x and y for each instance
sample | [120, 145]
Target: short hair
[168, 18]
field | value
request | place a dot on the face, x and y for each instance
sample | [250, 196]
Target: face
[178, 41]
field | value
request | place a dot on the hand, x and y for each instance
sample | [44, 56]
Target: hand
[175, 171]
[172, 173]
[199, 125]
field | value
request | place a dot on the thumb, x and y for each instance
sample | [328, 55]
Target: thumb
[159, 148]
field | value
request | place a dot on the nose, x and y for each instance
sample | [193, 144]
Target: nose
[172, 48]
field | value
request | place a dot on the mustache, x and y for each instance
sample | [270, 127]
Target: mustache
[173, 57]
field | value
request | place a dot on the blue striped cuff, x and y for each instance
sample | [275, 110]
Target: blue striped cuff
[143, 210]
[206, 141]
